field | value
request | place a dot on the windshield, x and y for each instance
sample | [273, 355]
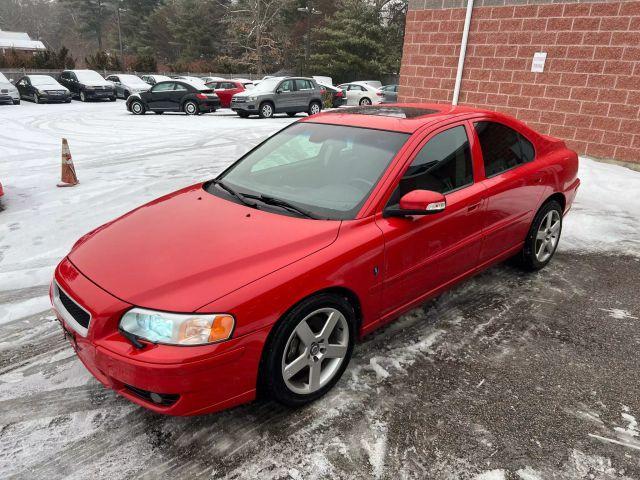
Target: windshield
[267, 85]
[328, 170]
[3, 78]
[132, 80]
[88, 76]
[42, 81]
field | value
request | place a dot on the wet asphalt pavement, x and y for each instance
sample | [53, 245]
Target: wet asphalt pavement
[509, 375]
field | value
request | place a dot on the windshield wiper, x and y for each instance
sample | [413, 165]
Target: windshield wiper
[277, 202]
[231, 191]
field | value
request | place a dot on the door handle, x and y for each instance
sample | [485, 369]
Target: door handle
[473, 207]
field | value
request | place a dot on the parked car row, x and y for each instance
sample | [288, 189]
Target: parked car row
[196, 95]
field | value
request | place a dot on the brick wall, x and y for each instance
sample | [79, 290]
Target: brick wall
[588, 94]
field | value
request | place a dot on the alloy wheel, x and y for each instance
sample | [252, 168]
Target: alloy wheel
[365, 101]
[267, 110]
[547, 236]
[315, 108]
[315, 351]
[136, 108]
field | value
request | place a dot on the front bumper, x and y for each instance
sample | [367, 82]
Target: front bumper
[51, 98]
[9, 97]
[249, 107]
[99, 94]
[194, 379]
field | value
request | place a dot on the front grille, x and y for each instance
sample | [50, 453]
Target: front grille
[164, 399]
[238, 100]
[55, 92]
[76, 311]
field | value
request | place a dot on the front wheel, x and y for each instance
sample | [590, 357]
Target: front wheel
[314, 108]
[266, 110]
[543, 237]
[365, 101]
[137, 108]
[309, 349]
[83, 97]
[16, 102]
[36, 99]
[190, 108]
[243, 114]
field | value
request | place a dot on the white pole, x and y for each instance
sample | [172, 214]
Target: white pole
[463, 52]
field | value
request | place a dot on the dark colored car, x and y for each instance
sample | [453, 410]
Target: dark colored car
[174, 96]
[337, 95]
[87, 85]
[389, 93]
[42, 89]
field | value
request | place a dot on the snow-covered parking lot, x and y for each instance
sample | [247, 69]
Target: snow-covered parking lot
[509, 375]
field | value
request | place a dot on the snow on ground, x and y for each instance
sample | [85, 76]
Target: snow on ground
[503, 377]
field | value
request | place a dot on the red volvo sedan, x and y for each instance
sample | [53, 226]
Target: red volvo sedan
[262, 279]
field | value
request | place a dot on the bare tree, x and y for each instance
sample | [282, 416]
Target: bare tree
[252, 20]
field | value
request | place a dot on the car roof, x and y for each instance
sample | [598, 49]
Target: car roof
[401, 117]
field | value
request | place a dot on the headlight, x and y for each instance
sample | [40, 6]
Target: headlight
[89, 88]
[252, 99]
[177, 328]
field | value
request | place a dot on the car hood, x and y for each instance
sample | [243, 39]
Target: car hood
[96, 83]
[187, 249]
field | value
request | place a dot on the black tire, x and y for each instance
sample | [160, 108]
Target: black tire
[36, 99]
[528, 259]
[292, 114]
[243, 114]
[190, 107]
[266, 110]
[16, 102]
[113, 99]
[314, 108]
[365, 101]
[68, 100]
[271, 378]
[137, 107]
[83, 97]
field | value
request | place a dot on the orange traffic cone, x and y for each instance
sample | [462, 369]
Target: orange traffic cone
[69, 178]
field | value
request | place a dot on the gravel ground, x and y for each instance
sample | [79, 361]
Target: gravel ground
[509, 375]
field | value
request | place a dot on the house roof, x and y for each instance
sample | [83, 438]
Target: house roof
[19, 41]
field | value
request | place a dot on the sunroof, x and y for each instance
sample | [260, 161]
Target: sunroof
[395, 112]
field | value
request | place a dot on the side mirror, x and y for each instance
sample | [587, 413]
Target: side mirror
[279, 91]
[418, 202]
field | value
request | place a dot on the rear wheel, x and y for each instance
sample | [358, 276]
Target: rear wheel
[543, 237]
[137, 107]
[309, 349]
[266, 110]
[365, 101]
[190, 107]
[16, 102]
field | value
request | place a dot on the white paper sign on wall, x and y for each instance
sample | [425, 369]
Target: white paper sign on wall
[538, 62]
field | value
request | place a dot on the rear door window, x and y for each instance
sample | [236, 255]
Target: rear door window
[304, 84]
[502, 147]
[162, 87]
